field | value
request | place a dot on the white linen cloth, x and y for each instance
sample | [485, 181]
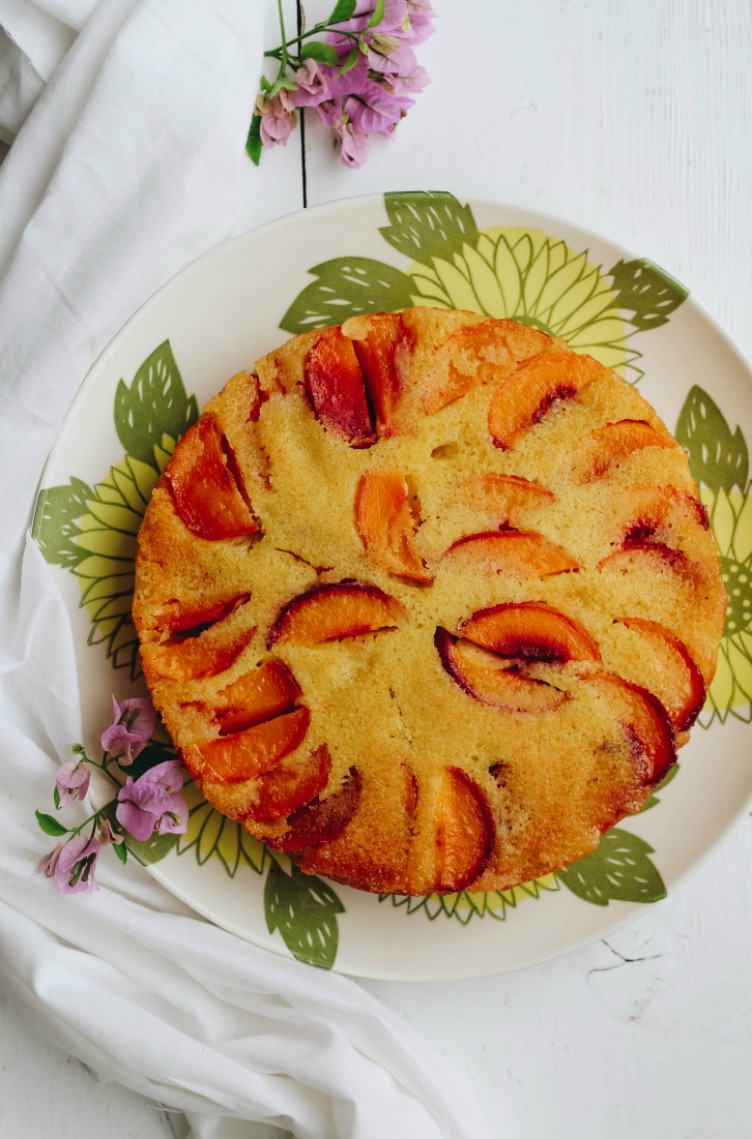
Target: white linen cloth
[129, 165]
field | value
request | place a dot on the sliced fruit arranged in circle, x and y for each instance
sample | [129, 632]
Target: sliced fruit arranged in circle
[505, 498]
[480, 353]
[530, 631]
[322, 820]
[532, 389]
[465, 832]
[206, 654]
[385, 347]
[334, 383]
[648, 730]
[482, 675]
[205, 487]
[386, 525]
[331, 612]
[684, 687]
[256, 696]
[615, 441]
[246, 754]
[516, 553]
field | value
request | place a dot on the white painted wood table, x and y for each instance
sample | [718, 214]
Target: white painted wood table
[633, 120]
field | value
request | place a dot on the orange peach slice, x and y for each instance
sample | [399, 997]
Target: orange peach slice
[465, 832]
[334, 383]
[534, 388]
[194, 657]
[615, 441]
[257, 696]
[482, 352]
[656, 515]
[205, 486]
[323, 820]
[331, 612]
[685, 684]
[530, 631]
[294, 783]
[185, 620]
[504, 498]
[645, 722]
[377, 353]
[386, 524]
[482, 675]
[516, 553]
[244, 755]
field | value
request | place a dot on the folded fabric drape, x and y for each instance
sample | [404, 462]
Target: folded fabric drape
[126, 169]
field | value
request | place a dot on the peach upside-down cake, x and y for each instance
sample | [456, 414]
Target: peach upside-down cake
[428, 601]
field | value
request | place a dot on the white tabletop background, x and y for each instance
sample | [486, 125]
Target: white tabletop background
[633, 120]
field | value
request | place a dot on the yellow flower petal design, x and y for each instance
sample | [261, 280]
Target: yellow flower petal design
[490, 298]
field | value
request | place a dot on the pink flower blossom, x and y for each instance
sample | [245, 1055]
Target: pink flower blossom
[107, 836]
[353, 144]
[72, 782]
[131, 729]
[72, 864]
[153, 802]
[313, 85]
[277, 118]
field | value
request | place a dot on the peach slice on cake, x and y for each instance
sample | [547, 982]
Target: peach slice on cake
[533, 388]
[386, 524]
[331, 612]
[656, 515]
[335, 387]
[482, 675]
[646, 725]
[205, 485]
[516, 553]
[245, 754]
[606, 445]
[296, 780]
[684, 693]
[381, 353]
[465, 832]
[262, 694]
[322, 820]
[195, 657]
[504, 499]
[530, 631]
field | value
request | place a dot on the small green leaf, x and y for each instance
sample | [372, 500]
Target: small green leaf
[343, 10]
[280, 82]
[253, 144]
[156, 403]
[55, 526]
[56, 798]
[647, 292]
[349, 63]
[378, 14]
[121, 850]
[303, 909]
[321, 52]
[619, 870]
[49, 825]
[428, 224]
[347, 286]
[717, 457]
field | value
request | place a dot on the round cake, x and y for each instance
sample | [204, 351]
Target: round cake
[428, 601]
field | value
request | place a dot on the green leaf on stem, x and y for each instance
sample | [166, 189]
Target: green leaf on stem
[343, 10]
[349, 63]
[253, 144]
[280, 82]
[49, 825]
[56, 798]
[321, 52]
[121, 850]
[378, 14]
[347, 286]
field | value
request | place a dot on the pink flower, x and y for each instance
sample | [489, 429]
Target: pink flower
[313, 85]
[72, 864]
[277, 118]
[131, 729]
[107, 836]
[374, 111]
[353, 144]
[153, 802]
[72, 782]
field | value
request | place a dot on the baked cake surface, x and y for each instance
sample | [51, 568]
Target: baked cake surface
[428, 601]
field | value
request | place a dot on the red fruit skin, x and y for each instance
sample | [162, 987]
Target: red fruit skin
[345, 609]
[290, 786]
[690, 702]
[244, 755]
[500, 687]
[323, 820]
[204, 488]
[376, 354]
[465, 832]
[334, 384]
[183, 621]
[530, 631]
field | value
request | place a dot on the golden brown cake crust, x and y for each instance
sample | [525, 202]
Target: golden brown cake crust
[428, 601]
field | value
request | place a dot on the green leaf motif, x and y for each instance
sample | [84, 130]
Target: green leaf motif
[647, 292]
[55, 522]
[347, 286]
[378, 14]
[303, 908]
[737, 581]
[49, 825]
[154, 405]
[653, 800]
[619, 870]
[254, 144]
[321, 52]
[718, 457]
[426, 224]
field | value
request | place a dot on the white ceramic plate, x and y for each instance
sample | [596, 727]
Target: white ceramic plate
[317, 267]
